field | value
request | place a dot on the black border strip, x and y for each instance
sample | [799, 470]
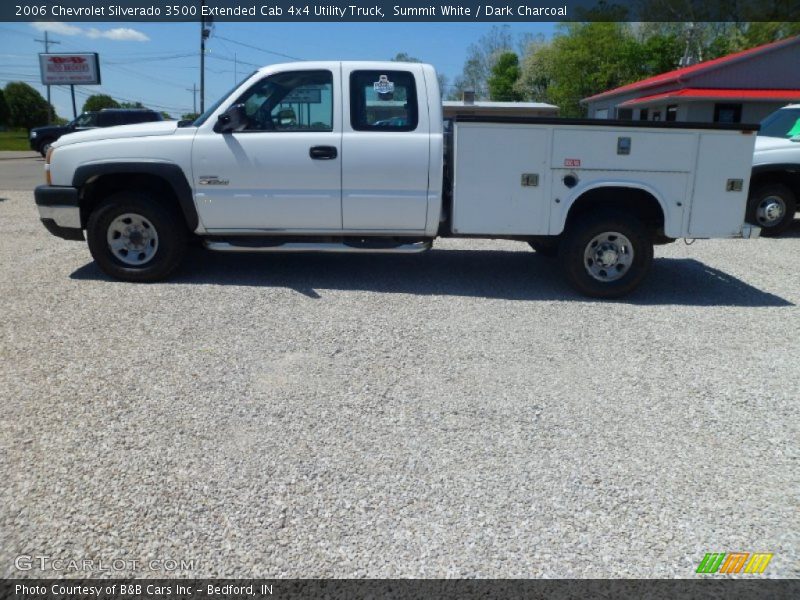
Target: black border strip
[375, 589]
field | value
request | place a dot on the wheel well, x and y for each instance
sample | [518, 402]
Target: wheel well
[101, 187]
[790, 179]
[639, 203]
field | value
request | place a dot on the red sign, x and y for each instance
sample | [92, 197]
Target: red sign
[572, 162]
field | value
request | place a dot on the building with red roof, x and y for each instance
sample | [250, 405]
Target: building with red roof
[743, 87]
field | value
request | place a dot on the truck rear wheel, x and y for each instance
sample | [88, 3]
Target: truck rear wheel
[606, 254]
[772, 208]
[135, 238]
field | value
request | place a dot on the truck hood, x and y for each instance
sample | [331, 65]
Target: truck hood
[120, 131]
[772, 150]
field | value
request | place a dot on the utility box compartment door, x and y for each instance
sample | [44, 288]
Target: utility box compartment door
[501, 179]
[623, 149]
[722, 179]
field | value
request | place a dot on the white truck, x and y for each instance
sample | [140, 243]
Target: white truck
[775, 182]
[355, 157]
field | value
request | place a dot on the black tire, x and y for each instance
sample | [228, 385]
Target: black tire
[548, 249]
[761, 198]
[44, 146]
[575, 245]
[172, 236]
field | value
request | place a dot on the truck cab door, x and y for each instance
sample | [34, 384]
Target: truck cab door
[281, 170]
[386, 150]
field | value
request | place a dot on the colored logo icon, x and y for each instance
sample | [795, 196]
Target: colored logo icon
[734, 562]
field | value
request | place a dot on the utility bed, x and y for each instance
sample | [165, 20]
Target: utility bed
[518, 177]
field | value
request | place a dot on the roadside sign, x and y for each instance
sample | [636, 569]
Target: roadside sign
[70, 69]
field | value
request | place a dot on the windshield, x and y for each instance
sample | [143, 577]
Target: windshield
[84, 120]
[783, 123]
[210, 110]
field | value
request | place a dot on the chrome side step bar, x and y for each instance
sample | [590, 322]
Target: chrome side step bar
[337, 247]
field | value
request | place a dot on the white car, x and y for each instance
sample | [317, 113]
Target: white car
[775, 183]
[365, 165]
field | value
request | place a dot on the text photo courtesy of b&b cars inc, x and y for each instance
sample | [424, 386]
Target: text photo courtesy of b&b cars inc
[367, 300]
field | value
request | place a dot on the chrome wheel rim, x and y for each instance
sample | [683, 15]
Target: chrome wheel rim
[770, 211]
[132, 239]
[608, 256]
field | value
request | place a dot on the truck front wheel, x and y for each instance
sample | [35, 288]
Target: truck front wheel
[772, 208]
[606, 254]
[135, 238]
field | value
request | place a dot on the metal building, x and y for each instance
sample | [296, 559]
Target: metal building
[743, 87]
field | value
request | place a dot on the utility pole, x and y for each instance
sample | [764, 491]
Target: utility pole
[193, 89]
[47, 41]
[204, 34]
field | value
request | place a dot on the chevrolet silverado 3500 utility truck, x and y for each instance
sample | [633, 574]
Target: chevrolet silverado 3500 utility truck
[355, 157]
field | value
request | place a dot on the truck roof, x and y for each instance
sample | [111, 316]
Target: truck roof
[387, 65]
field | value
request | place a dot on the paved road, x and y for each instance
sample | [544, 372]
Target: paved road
[21, 170]
[459, 413]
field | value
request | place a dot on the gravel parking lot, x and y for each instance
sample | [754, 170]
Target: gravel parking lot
[459, 413]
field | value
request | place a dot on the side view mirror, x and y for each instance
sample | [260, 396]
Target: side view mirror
[233, 119]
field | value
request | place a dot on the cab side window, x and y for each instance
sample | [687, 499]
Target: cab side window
[294, 101]
[383, 101]
[107, 119]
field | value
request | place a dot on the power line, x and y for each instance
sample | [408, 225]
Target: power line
[219, 37]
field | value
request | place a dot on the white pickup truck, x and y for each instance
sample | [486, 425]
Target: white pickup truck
[775, 182]
[355, 157]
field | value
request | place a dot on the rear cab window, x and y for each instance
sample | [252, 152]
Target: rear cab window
[383, 101]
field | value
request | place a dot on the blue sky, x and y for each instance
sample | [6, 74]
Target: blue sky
[157, 63]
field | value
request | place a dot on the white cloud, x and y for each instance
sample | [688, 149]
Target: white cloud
[59, 28]
[119, 34]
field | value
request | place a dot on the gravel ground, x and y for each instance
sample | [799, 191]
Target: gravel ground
[460, 413]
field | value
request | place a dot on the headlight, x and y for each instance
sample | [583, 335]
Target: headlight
[33, 134]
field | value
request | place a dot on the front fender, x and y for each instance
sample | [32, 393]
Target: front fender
[169, 172]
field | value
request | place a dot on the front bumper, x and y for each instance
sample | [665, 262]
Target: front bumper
[59, 211]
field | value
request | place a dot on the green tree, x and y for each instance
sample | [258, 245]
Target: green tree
[189, 116]
[131, 105]
[481, 57]
[503, 80]
[583, 59]
[3, 110]
[26, 107]
[97, 102]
